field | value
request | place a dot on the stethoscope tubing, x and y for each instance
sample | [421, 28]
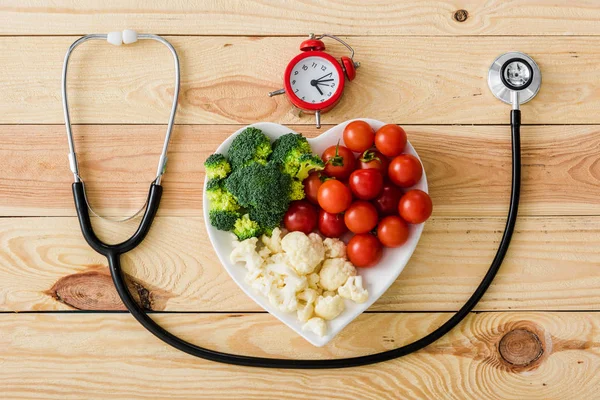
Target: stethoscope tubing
[113, 254]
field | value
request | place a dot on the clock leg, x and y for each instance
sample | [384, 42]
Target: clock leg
[277, 92]
[318, 118]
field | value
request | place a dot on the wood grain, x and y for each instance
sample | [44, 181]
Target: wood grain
[271, 17]
[561, 173]
[111, 356]
[552, 265]
[412, 80]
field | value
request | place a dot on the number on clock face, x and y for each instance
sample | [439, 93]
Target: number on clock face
[314, 80]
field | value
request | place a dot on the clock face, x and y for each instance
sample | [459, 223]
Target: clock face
[314, 80]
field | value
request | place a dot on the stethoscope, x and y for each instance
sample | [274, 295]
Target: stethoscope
[513, 78]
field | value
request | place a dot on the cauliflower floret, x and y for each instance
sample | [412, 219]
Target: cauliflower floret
[316, 325]
[353, 290]
[328, 293]
[308, 295]
[245, 252]
[335, 272]
[304, 253]
[305, 312]
[286, 284]
[329, 307]
[313, 281]
[334, 248]
[273, 243]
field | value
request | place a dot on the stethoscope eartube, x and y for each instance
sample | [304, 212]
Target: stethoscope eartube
[520, 82]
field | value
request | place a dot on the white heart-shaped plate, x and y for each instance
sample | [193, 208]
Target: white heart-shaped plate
[377, 279]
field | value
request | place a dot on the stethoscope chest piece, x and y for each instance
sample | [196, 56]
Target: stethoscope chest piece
[514, 72]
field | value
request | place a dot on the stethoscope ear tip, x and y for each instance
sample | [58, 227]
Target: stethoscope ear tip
[117, 38]
[514, 73]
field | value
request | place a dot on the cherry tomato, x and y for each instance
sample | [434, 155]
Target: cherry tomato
[339, 162]
[332, 225]
[392, 231]
[405, 170]
[387, 201]
[361, 217]
[334, 197]
[300, 216]
[311, 187]
[364, 250]
[375, 160]
[359, 136]
[415, 206]
[390, 139]
[366, 184]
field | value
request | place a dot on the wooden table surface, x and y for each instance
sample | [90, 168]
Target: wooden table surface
[63, 335]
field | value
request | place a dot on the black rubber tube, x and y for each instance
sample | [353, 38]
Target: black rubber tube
[113, 255]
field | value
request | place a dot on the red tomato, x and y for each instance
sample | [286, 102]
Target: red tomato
[392, 231]
[375, 160]
[300, 216]
[366, 184]
[311, 187]
[364, 250]
[390, 139]
[415, 206]
[405, 170]
[387, 201]
[339, 162]
[334, 197]
[359, 136]
[332, 225]
[361, 217]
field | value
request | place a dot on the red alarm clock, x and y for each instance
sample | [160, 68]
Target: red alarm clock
[314, 80]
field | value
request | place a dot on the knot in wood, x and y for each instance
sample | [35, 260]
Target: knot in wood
[461, 15]
[520, 347]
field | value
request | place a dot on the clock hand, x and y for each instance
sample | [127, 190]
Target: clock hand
[324, 80]
[319, 89]
[324, 76]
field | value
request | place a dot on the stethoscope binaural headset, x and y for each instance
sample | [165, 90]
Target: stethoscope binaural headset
[514, 78]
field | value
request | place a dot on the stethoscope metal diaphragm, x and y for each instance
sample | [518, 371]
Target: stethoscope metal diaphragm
[514, 71]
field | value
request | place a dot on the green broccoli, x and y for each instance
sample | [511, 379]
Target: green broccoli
[252, 145]
[244, 228]
[287, 150]
[217, 166]
[266, 218]
[260, 185]
[220, 198]
[308, 163]
[297, 190]
[223, 220]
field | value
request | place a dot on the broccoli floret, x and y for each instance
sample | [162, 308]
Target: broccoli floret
[217, 166]
[223, 220]
[309, 163]
[244, 228]
[252, 145]
[297, 190]
[287, 150]
[266, 218]
[220, 198]
[260, 185]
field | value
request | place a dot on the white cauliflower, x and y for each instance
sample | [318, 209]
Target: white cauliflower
[304, 253]
[335, 272]
[353, 290]
[305, 312]
[286, 283]
[334, 248]
[245, 252]
[328, 293]
[316, 326]
[313, 281]
[329, 307]
[273, 243]
[308, 295]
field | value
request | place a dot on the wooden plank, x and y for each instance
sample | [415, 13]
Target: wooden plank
[468, 168]
[412, 80]
[552, 264]
[491, 355]
[400, 18]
